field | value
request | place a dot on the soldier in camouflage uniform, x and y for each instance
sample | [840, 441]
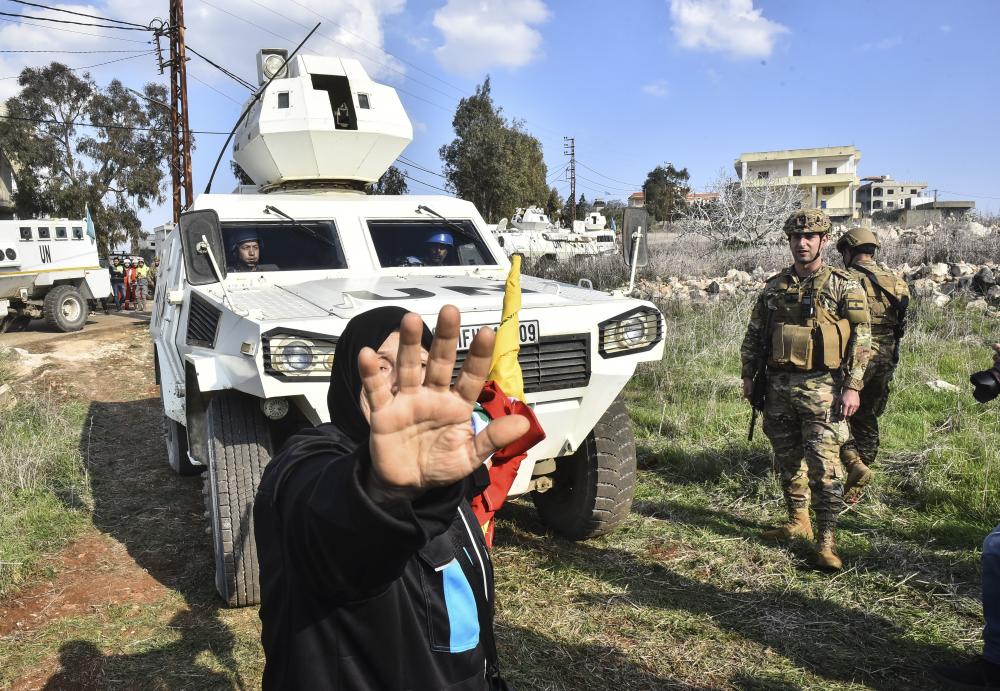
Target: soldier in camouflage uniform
[888, 297]
[810, 328]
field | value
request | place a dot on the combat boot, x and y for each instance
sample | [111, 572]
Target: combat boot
[826, 558]
[798, 525]
[858, 477]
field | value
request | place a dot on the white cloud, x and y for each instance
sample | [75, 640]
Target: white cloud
[220, 29]
[480, 34]
[657, 89]
[732, 27]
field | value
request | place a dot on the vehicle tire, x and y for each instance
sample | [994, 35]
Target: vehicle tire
[65, 309]
[239, 446]
[592, 489]
[175, 436]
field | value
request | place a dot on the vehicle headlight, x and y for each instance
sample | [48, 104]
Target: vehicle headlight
[292, 355]
[635, 331]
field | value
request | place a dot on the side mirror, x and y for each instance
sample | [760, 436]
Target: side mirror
[201, 232]
[635, 225]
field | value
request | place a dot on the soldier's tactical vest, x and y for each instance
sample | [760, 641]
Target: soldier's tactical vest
[805, 335]
[883, 317]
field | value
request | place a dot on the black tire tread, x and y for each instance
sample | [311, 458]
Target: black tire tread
[240, 447]
[53, 314]
[593, 489]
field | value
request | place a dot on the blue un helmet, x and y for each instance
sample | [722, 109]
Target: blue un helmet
[441, 239]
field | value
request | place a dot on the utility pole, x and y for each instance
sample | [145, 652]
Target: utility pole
[180, 132]
[569, 149]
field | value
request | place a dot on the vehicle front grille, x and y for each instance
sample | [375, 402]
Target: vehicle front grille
[203, 322]
[557, 362]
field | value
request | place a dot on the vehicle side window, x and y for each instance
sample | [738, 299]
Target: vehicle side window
[419, 242]
[282, 246]
[43, 234]
[25, 234]
[61, 233]
[77, 233]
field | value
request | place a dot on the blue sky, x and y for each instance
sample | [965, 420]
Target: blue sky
[913, 84]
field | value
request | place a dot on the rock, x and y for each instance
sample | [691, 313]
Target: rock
[737, 276]
[993, 294]
[984, 279]
[961, 269]
[938, 273]
[940, 299]
[713, 288]
[942, 385]
[21, 352]
[978, 305]
[923, 287]
[977, 229]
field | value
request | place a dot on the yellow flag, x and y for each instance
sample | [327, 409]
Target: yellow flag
[504, 368]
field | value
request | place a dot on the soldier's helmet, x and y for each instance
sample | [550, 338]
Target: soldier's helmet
[807, 221]
[857, 237]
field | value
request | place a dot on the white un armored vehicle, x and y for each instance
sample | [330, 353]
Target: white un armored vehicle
[243, 356]
[49, 268]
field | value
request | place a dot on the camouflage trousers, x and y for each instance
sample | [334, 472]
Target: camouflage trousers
[864, 436]
[806, 437]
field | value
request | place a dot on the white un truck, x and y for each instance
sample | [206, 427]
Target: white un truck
[49, 268]
[244, 343]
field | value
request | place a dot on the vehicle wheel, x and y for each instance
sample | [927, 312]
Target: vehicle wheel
[592, 490]
[239, 446]
[177, 448]
[65, 309]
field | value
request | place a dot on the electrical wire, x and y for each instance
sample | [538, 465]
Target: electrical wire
[221, 93]
[73, 31]
[235, 77]
[78, 14]
[75, 52]
[584, 165]
[100, 125]
[410, 163]
[426, 184]
[606, 186]
[87, 67]
[70, 21]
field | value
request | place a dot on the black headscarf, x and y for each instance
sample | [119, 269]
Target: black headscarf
[344, 398]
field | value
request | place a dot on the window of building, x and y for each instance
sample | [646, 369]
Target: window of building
[913, 191]
[61, 233]
[890, 191]
[363, 101]
[827, 190]
[43, 233]
[77, 233]
[890, 204]
[877, 205]
[25, 234]
[283, 99]
[797, 173]
[877, 192]
[831, 171]
[763, 175]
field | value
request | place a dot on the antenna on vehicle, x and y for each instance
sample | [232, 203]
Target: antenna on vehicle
[256, 97]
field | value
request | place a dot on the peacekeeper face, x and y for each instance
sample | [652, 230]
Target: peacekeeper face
[248, 254]
[807, 246]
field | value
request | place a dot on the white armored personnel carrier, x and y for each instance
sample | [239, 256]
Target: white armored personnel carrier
[244, 351]
[49, 268]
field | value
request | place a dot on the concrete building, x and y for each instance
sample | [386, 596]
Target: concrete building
[700, 198]
[637, 199]
[827, 176]
[882, 193]
[6, 182]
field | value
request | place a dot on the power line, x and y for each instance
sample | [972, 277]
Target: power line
[630, 184]
[87, 67]
[78, 14]
[70, 21]
[75, 52]
[221, 93]
[235, 77]
[425, 184]
[99, 125]
[606, 186]
[73, 31]
[420, 167]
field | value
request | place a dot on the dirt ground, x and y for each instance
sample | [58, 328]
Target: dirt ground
[132, 597]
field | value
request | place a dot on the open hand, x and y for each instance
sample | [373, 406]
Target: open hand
[422, 437]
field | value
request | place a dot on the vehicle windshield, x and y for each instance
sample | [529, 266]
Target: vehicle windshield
[282, 246]
[418, 242]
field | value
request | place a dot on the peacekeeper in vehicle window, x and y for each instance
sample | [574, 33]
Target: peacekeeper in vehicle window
[244, 250]
[810, 336]
[439, 250]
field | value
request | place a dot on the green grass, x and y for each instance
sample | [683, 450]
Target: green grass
[44, 494]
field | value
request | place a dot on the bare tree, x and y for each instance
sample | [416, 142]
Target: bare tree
[750, 213]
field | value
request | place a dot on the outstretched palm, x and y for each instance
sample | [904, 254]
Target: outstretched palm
[422, 436]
